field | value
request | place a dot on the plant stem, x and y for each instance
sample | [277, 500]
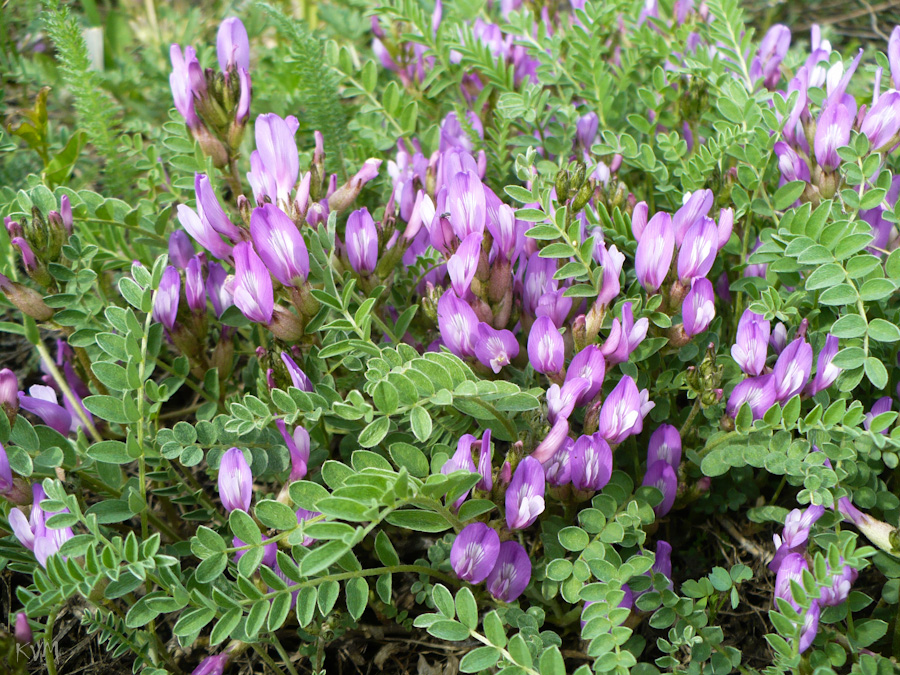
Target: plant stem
[48, 645]
[285, 657]
[67, 392]
[268, 659]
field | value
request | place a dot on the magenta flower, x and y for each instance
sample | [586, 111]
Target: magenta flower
[253, 293]
[555, 305]
[203, 233]
[778, 338]
[212, 665]
[511, 573]
[458, 324]
[588, 364]
[194, 288]
[558, 469]
[790, 164]
[485, 468]
[9, 391]
[698, 251]
[235, 481]
[772, 50]
[662, 476]
[795, 535]
[180, 249]
[561, 400]
[791, 569]
[664, 446]
[466, 203]
[362, 241]
[611, 261]
[23, 629]
[639, 219]
[280, 244]
[461, 461]
[538, 280]
[839, 590]
[586, 129]
[832, 132]
[6, 477]
[725, 226]
[893, 51]
[474, 552]
[180, 83]
[792, 370]
[554, 439]
[33, 532]
[546, 348]
[621, 415]
[698, 309]
[232, 45]
[759, 392]
[695, 206]
[591, 463]
[654, 252]
[277, 155]
[341, 198]
[525, 494]
[882, 123]
[880, 406]
[752, 343]
[165, 301]
[826, 371]
[624, 336]
[42, 402]
[217, 289]
[298, 377]
[211, 213]
[495, 348]
[464, 263]
[298, 447]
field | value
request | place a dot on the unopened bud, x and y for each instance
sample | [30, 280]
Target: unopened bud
[285, 325]
[9, 394]
[23, 629]
[27, 300]
[584, 196]
[576, 178]
[562, 185]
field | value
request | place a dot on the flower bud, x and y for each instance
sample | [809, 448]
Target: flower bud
[26, 300]
[525, 494]
[235, 481]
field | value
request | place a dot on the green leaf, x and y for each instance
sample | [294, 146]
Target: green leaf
[224, 627]
[449, 630]
[111, 452]
[420, 421]
[385, 550]
[328, 595]
[789, 193]
[322, 556]
[244, 527]
[467, 608]
[385, 397]
[851, 326]
[876, 372]
[276, 515]
[420, 521]
[374, 432]
[883, 331]
[493, 629]
[107, 408]
[357, 592]
[409, 457]
[343, 509]
[551, 662]
[518, 649]
[480, 658]
[194, 621]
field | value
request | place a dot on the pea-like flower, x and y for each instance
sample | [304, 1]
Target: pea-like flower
[591, 463]
[654, 252]
[699, 308]
[525, 494]
[665, 446]
[511, 574]
[280, 245]
[361, 239]
[253, 293]
[662, 476]
[752, 343]
[474, 552]
[495, 348]
[792, 369]
[623, 411]
[165, 301]
[235, 481]
[546, 348]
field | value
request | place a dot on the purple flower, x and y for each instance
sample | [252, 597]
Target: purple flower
[203, 233]
[698, 251]
[661, 475]
[278, 163]
[882, 122]
[298, 377]
[466, 203]
[304, 515]
[464, 263]
[759, 392]
[611, 261]
[832, 132]
[725, 226]
[298, 447]
[546, 348]
[33, 532]
[839, 590]
[458, 324]
[695, 206]
[624, 336]
[826, 371]
[772, 50]
[232, 45]
[495, 348]
[180, 82]
[698, 309]
[212, 665]
[42, 402]
[341, 199]
[217, 290]
[525, 494]
[586, 129]
[165, 302]
[270, 551]
[591, 463]
[778, 338]
[511, 573]
[797, 526]
[538, 280]
[180, 249]
[664, 446]
[752, 343]
[362, 242]
[792, 370]
[554, 439]
[194, 288]
[461, 461]
[474, 552]
[211, 213]
[558, 469]
[485, 468]
[588, 364]
[235, 481]
[880, 406]
[9, 391]
[622, 413]
[792, 568]
[790, 164]
[654, 252]
[639, 219]
[555, 305]
[253, 292]
[662, 562]
[6, 477]
[23, 628]
[561, 400]
[894, 55]
[280, 244]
